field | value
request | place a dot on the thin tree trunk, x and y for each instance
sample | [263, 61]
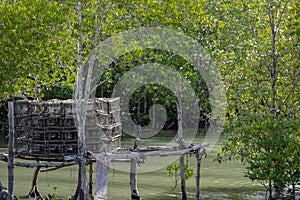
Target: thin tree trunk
[294, 190]
[180, 139]
[179, 114]
[34, 189]
[270, 190]
[10, 163]
[273, 66]
[82, 187]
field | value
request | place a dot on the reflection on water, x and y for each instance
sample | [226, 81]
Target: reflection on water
[208, 195]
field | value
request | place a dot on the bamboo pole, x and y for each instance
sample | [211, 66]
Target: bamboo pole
[10, 163]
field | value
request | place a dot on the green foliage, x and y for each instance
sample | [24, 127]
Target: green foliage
[41, 51]
[259, 55]
[35, 49]
[269, 146]
[53, 197]
[57, 92]
[173, 170]
[146, 96]
[255, 43]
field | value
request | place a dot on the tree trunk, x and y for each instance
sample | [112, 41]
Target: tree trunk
[82, 188]
[34, 192]
[270, 190]
[10, 164]
[81, 99]
[180, 139]
[279, 188]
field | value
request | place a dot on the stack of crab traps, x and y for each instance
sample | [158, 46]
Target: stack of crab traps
[47, 129]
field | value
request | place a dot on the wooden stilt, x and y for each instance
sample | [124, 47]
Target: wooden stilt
[102, 172]
[91, 179]
[198, 158]
[133, 183]
[182, 176]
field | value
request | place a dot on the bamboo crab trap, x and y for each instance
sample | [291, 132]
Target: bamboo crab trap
[47, 129]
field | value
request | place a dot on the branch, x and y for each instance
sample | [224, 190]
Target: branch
[281, 14]
[99, 29]
[161, 153]
[58, 167]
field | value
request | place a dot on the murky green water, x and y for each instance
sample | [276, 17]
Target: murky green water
[218, 181]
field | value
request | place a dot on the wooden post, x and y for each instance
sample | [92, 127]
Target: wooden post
[183, 186]
[10, 163]
[102, 172]
[91, 179]
[198, 157]
[133, 183]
